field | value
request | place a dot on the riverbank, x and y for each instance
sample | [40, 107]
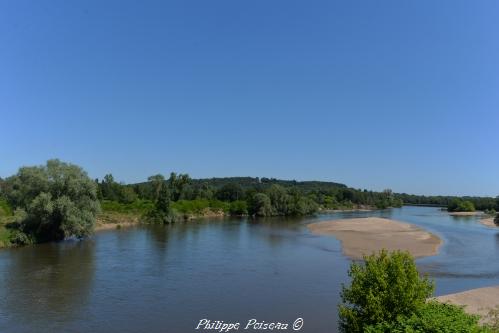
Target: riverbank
[475, 301]
[476, 213]
[113, 220]
[489, 222]
[360, 236]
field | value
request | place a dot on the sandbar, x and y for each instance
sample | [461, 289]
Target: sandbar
[489, 222]
[363, 236]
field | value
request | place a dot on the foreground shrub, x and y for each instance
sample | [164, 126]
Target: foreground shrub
[432, 317]
[383, 288]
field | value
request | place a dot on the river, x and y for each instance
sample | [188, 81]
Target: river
[168, 278]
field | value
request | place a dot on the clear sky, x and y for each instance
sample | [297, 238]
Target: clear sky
[373, 94]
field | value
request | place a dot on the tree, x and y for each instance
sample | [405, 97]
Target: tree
[157, 182]
[280, 200]
[385, 286]
[59, 200]
[230, 192]
[460, 205]
[260, 205]
[177, 184]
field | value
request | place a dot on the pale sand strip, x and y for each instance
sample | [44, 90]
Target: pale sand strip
[361, 236]
[466, 213]
[489, 222]
[475, 301]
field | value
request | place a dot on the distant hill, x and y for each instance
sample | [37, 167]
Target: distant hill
[262, 183]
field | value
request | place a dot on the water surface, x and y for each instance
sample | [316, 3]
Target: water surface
[165, 279]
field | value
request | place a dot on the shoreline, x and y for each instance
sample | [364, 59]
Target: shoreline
[488, 222]
[476, 213]
[363, 236]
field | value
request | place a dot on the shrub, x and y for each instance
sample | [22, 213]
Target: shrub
[238, 208]
[433, 317]
[384, 287]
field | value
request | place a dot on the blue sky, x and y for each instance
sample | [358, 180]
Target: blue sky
[374, 94]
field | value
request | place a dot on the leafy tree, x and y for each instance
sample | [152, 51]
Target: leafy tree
[280, 200]
[177, 183]
[59, 200]
[163, 212]
[459, 205]
[157, 182]
[238, 208]
[260, 205]
[384, 287]
[230, 192]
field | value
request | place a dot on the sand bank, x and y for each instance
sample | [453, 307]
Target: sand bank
[489, 222]
[360, 236]
[465, 213]
[475, 301]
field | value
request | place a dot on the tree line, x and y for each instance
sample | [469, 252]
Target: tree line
[59, 200]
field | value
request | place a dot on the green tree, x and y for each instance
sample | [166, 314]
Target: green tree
[260, 205]
[460, 205]
[230, 192]
[157, 182]
[177, 184]
[385, 286]
[280, 200]
[59, 200]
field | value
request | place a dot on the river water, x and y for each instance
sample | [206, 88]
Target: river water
[168, 278]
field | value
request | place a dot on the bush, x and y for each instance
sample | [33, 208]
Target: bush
[238, 208]
[433, 317]
[384, 287]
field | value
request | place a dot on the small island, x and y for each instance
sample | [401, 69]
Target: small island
[363, 236]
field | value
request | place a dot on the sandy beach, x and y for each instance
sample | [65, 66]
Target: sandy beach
[361, 236]
[475, 301]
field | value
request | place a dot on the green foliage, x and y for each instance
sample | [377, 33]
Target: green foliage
[459, 205]
[177, 184]
[139, 207]
[5, 209]
[432, 317]
[260, 205]
[230, 192]
[198, 207]
[384, 287]
[238, 208]
[59, 201]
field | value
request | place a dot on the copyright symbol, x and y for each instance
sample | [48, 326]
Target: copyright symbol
[298, 324]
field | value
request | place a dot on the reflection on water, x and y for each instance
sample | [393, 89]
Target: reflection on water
[43, 281]
[167, 278]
